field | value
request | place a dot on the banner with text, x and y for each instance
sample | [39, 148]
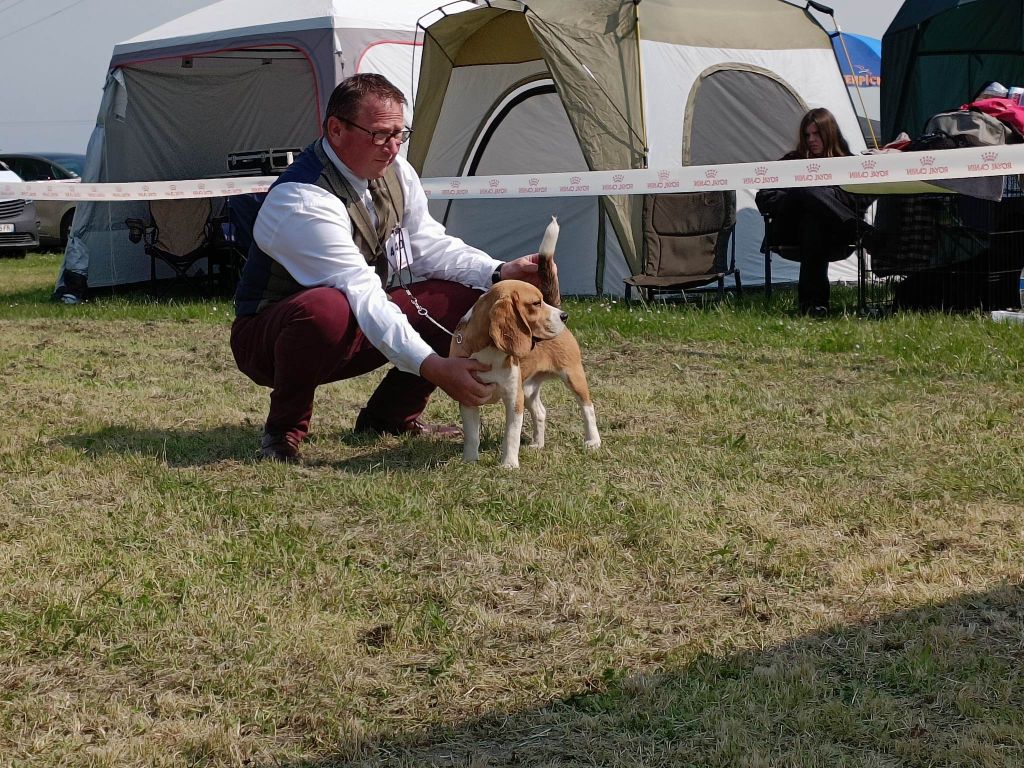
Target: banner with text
[910, 172]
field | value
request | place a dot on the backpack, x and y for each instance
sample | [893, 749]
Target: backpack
[970, 128]
[929, 142]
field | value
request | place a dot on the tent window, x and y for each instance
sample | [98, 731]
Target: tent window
[736, 114]
[496, 121]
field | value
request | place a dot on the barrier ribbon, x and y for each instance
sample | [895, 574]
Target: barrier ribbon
[910, 171]
[124, 191]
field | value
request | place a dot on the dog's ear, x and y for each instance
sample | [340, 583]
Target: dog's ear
[509, 330]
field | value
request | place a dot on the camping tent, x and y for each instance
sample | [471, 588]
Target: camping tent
[575, 85]
[938, 54]
[236, 76]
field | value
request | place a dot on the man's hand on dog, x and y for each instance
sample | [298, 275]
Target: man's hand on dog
[524, 268]
[457, 377]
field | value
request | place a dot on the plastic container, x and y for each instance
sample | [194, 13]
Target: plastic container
[993, 90]
[1015, 93]
[1005, 316]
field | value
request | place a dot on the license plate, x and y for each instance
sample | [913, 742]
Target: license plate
[6, 228]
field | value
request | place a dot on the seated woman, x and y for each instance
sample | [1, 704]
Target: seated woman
[819, 223]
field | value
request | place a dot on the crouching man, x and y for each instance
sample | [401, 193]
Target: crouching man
[313, 305]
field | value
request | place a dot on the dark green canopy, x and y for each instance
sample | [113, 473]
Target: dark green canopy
[938, 54]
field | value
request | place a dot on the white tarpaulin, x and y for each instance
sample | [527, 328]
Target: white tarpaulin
[235, 76]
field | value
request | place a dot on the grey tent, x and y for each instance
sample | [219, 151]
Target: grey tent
[236, 76]
[576, 85]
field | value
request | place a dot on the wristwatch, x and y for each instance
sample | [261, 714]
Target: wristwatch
[496, 276]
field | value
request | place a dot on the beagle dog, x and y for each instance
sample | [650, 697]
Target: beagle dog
[525, 341]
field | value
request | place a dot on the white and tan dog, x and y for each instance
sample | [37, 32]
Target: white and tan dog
[525, 341]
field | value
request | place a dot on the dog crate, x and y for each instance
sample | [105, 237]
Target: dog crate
[946, 252]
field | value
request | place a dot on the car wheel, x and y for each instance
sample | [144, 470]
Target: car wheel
[65, 227]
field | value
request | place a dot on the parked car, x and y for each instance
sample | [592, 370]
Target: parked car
[19, 227]
[55, 216]
[69, 161]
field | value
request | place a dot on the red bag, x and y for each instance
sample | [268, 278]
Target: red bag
[1004, 110]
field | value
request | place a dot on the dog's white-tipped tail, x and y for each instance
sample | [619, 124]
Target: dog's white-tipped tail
[547, 245]
[547, 279]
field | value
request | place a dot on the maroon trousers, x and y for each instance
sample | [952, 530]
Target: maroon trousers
[311, 338]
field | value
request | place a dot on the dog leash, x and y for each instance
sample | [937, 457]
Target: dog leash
[401, 257]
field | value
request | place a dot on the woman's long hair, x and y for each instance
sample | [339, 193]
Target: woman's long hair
[831, 137]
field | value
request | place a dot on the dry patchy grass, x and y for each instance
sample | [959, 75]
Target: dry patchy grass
[800, 545]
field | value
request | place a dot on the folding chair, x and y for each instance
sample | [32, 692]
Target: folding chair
[179, 234]
[688, 243]
[229, 245]
[774, 242]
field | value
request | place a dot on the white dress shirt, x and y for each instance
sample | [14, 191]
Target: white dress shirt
[308, 231]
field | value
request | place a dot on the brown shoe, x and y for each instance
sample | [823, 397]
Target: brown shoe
[368, 425]
[278, 448]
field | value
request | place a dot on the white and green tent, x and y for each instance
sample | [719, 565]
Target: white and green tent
[576, 85]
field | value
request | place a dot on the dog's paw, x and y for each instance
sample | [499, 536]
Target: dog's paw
[593, 444]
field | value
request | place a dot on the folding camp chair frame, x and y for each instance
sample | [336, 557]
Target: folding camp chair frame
[222, 260]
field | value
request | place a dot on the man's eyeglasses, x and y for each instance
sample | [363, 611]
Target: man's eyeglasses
[380, 138]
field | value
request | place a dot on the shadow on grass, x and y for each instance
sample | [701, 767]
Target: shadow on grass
[177, 447]
[35, 303]
[194, 289]
[937, 685]
[195, 448]
[40, 296]
[374, 454]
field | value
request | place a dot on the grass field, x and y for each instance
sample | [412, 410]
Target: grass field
[801, 544]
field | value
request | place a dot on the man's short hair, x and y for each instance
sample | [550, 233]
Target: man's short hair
[350, 93]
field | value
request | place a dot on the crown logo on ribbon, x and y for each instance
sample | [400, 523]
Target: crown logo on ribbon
[617, 178]
[574, 180]
[662, 175]
[710, 174]
[927, 160]
[867, 165]
[493, 183]
[813, 167]
[534, 181]
[761, 170]
[456, 183]
[990, 157]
